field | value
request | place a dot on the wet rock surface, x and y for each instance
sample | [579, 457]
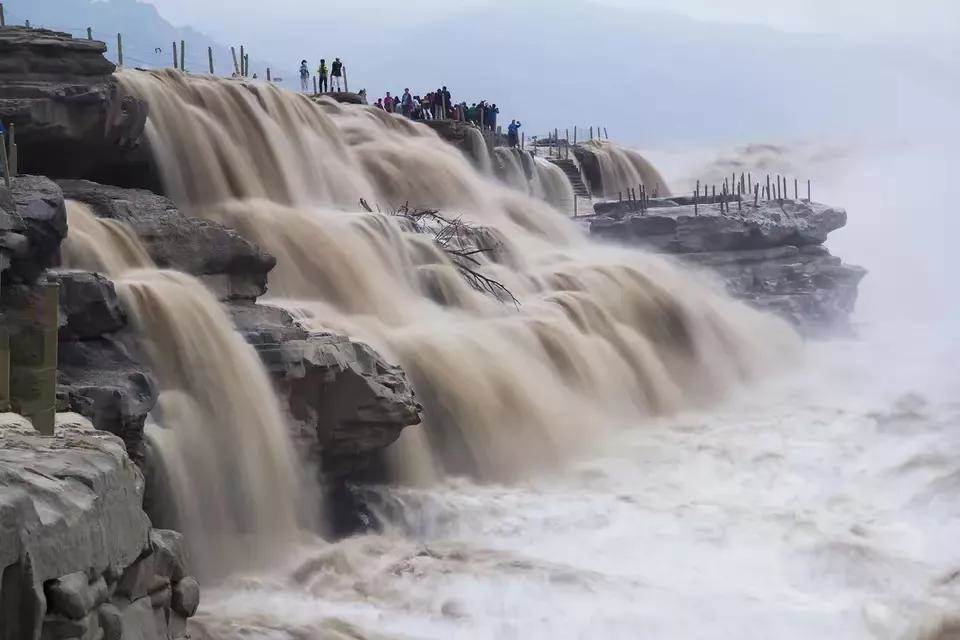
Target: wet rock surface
[348, 400]
[60, 94]
[230, 265]
[770, 255]
[33, 223]
[78, 558]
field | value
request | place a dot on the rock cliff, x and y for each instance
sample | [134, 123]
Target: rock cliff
[62, 97]
[78, 557]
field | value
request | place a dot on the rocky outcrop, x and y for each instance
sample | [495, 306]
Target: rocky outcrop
[60, 94]
[770, 255]
[464, 136]
[348, 400]
[34, 223]
[78, 558]
[228, 264]
[677, 229]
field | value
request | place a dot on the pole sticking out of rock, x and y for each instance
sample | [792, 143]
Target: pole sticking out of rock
[796, 187]
[605, 134]
[768, 187]
[808, 193]
[243, 68]
[89, 33]
[246, 65]
[3, 157]
[183, 56]
[574, 135]
[696, 196]
[268, 74]
[176, 59]
[3, 21]
[210, 58]
[119, 50]
[315, 91]
[236, 67]
[756, 194]
[13, 157]
[591, 133]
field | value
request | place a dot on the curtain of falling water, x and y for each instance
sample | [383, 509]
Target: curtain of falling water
[218, 433]
[601, 336]
[622, 169]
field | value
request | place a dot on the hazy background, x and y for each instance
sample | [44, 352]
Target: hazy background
[653, 72]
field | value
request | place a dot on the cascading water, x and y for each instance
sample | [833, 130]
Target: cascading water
[601, 335]
[550, 184]
[222, 441]
[217, 434]
[622, 169]
[99, 244]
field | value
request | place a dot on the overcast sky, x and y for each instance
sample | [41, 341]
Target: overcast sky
[909, 18]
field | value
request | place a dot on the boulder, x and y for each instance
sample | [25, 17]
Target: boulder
[169, 554]
[186, 597]
[68, 503]
[35, 223]
[73, 595]
[351, 401]
[101, 380]
[61, 95]
[89, 307]
[230, 265]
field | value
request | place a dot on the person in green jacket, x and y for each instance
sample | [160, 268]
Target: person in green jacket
[322, 76]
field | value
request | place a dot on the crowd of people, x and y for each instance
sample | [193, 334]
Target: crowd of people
[434, 105]
[332, 78]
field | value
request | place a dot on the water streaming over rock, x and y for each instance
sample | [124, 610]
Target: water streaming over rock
[100, 244]
[600, 335]
[222, 441]
[621, 169]
[218, 438]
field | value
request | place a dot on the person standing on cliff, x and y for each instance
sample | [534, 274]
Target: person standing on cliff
[446, 103]
[304, 76]
[406, 103]
[336, 72]
[512, 138]
[322, 76]
[388, 103]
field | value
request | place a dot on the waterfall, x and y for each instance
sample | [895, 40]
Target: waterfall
[217, 434]
[222, 442]
[622, 169]
[100, 244]
[550, 184]
[599, 336]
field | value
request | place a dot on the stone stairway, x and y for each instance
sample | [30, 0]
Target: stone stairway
[572, 171]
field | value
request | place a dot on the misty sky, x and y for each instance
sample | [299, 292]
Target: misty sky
[912, 19]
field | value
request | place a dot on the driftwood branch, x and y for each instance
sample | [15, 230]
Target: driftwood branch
[461, 242]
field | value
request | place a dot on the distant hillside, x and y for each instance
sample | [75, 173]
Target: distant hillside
[147, 37]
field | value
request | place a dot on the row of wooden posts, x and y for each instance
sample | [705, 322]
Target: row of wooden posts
[734, 189]
[560, 147]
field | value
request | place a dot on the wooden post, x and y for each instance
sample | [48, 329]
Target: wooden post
[605, 135]
[346, 87]
[739, 198]
[246, 65]
[567, 152]
[523, 145]
[3, 21]
[714, 191]
[268, 74]
[756, 194]
[243, 69]
[574, 135]
[3, 159]
[176, 59]
[315, 85]
[796, 189]
[768, 187]
[750, 180]
[591, 133]
[696, 196]
[89, 33]
[236, 67]
[119, 50]
[183, 56]
[633, 195]
[13, 156]
[808, 192]
[210, 58]
[574, 205]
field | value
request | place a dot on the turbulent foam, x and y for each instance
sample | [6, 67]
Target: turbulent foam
[599, 335]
